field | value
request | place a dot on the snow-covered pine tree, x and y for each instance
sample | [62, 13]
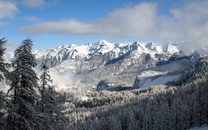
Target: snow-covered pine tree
[3, 65]
[22, 111]
[45, 79]
[2, 107]
[53, 117]
[3, 73]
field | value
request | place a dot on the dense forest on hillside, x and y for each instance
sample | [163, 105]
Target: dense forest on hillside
[32, 103]
[164, 107]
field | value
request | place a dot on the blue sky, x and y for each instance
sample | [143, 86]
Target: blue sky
[51, 23]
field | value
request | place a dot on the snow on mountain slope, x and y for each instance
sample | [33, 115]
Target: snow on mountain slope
[162, 80]
[101, 47]
[118, 63]
[150, 73]
[91, 56]
[163, 73]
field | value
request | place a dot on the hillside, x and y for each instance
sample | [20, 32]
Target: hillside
[162, 107]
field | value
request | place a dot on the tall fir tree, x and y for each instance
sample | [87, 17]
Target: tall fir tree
[53, 117]
[44, 105]
[2, 107]
[3, 73]
[22, 112]
[3, 65]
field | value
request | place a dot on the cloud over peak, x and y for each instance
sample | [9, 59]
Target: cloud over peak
[188, 22]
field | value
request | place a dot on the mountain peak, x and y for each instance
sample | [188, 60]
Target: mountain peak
[104, 42]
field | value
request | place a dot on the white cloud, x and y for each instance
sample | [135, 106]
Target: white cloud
[34, 3]
[32, 19]
[129, 22]
[61, 27]
[121, 22]
[189, 23]
[38, 3]
[7, 9]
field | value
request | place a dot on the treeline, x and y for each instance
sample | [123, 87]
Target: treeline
[31, 103]
[159, 108]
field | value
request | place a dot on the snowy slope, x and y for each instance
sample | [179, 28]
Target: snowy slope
[94, 55]
[163, 73]
[119, 64]
[159, 81]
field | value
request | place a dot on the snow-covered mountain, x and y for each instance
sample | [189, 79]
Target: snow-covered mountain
[76, 58]
[119, 64]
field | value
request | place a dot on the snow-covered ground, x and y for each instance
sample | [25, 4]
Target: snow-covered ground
[158, 81]
[150, 73]
[203, 127]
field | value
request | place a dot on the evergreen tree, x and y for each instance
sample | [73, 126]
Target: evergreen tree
[3, 73]
[53, 117]
[1, 110]
[131, 121]
[114, 123]
[3, 65]
[45, 79]
[22, 113]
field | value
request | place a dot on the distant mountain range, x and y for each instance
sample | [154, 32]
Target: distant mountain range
[91, 56]
[119, 64]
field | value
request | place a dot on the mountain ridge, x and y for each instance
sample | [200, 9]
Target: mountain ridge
[103, 50]
[118, 64]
